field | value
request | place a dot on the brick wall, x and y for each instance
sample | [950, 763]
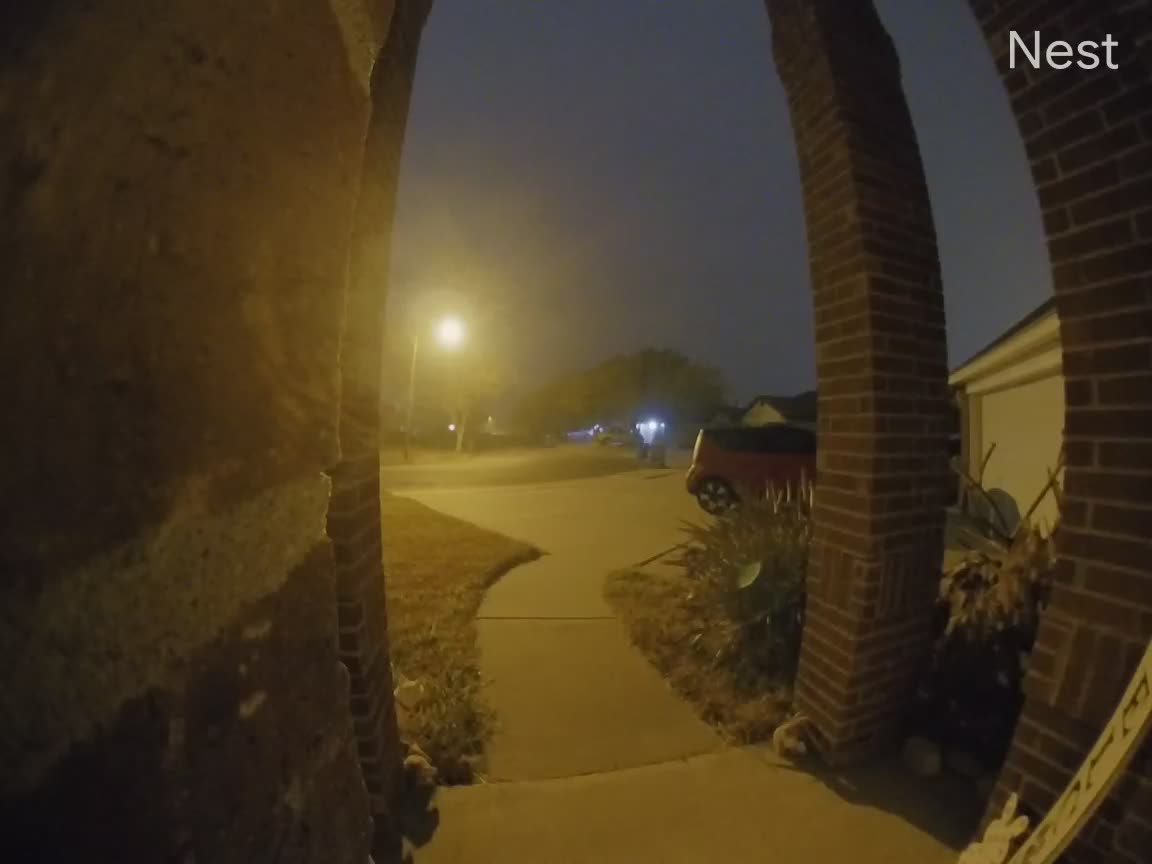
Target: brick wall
[1088, 136]
[881, 364]
[354, 515]
[354, 527]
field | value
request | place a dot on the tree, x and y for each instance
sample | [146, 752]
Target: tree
[471, 383]
[658, 382]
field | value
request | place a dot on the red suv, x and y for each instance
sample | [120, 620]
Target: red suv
[744, 461]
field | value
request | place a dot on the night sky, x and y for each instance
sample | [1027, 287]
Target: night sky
[593, 177]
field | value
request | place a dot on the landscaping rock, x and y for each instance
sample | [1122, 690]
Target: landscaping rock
[788, 739]
[419, 772]
[408, 693]
[922, 757]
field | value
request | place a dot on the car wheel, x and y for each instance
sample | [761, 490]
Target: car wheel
[716, 496]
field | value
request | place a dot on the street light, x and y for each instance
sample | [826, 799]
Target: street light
[450, 332]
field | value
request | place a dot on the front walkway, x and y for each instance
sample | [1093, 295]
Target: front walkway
[736, 806]
[571, 694]
[595, 759]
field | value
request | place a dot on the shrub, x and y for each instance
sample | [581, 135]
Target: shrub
[751, 563]
[988, 613]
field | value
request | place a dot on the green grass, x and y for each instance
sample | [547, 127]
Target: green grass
[437, 570]
[685, 634]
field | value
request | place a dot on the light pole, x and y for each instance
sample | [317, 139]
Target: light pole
[449, 335]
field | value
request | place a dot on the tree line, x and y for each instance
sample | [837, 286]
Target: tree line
[652, 382]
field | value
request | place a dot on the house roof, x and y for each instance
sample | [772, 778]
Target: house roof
[1028, 351]
[1032, 317]
[799, 407]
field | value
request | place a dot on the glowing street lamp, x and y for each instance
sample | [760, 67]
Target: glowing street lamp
[450, 333]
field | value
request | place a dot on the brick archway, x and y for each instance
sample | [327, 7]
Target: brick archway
[881, 365]
[1089, 140]
[881, 368]
[1088, 136]
[354, 522]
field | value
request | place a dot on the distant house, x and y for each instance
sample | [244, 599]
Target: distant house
[727, 415]
[799, 410]
[1011, 395]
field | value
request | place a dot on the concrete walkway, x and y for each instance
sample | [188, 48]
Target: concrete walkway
[610, 766]
[571, 693]
[737, 806]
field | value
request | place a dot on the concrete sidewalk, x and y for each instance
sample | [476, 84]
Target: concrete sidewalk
[572, 696]
[608, 764]
[738, 806]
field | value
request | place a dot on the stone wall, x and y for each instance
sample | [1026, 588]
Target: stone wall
[179, 195]
[881, 365]
[1088, 135]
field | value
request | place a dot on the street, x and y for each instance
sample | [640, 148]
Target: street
[518, 467]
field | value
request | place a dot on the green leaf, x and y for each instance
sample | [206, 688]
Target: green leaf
[748, 574]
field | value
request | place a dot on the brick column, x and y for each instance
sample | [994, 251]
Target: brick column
[174, 240]
[354, 514]
[1088, 136]
[881, 364]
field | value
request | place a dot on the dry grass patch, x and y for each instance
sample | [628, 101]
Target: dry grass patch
[438, 569]
[683, 633]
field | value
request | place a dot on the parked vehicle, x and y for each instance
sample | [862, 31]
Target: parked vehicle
[616, 436]
[729, 464]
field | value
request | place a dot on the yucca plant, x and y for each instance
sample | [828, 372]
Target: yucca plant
[989, 611]
[1003, 588]
[752, 562]
[1004, 584]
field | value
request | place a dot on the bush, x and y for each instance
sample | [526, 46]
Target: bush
[751, 563]
[988, 612]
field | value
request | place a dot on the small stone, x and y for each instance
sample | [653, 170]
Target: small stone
[419, 771]
[252, 704]
[922, 757]
[409, 693]
[788, 737]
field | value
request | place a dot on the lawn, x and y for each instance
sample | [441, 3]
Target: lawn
[687, 636]
[438, 569]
